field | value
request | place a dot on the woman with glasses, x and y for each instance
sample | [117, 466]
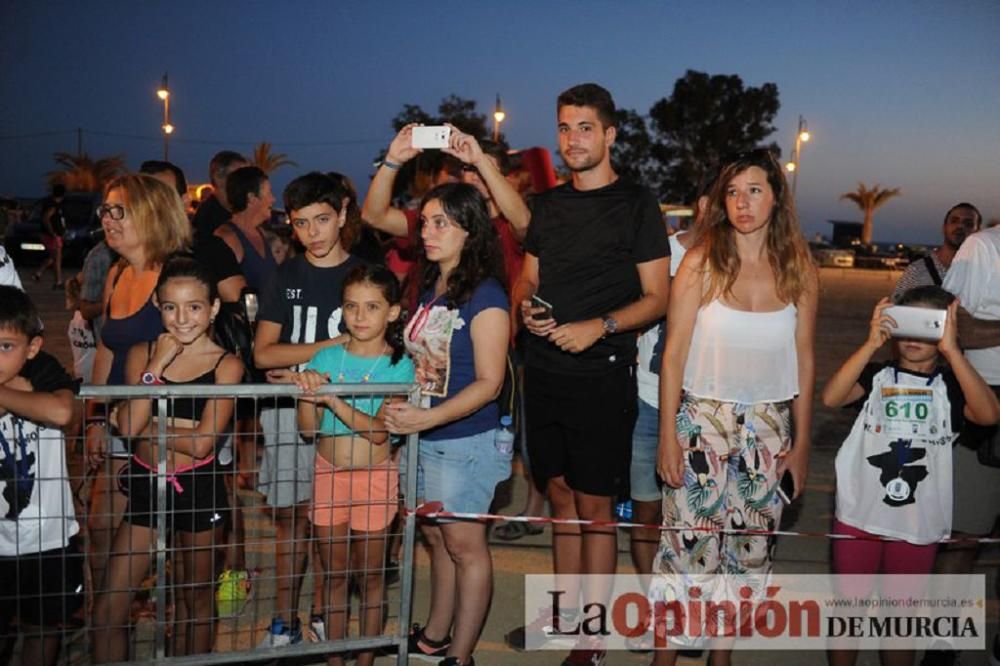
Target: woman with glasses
[458, 339]
[144, 222]
[736, 384]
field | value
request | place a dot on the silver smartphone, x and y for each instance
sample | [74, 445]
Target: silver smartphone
[430, 136]
[537, 302]
[919, 323]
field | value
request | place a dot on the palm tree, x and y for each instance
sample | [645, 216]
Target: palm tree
[80, 173]
[267, 161]
[868, 200]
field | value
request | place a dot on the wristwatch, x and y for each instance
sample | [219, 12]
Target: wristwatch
[149, 379]
[610, 325]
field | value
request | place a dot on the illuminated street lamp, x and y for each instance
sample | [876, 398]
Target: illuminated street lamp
[498, 116]
[164, 93]
[792, 167]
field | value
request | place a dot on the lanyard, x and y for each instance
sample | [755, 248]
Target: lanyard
[420, 319]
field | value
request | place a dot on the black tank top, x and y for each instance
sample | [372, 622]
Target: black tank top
[189, 407]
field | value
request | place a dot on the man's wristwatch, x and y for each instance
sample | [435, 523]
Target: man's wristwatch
[610, 325]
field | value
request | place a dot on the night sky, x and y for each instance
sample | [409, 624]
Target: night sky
[905, 93]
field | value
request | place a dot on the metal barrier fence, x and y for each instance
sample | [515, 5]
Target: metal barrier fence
[163, 576]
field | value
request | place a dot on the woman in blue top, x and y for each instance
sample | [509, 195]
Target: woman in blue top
[458, 339]
[144, 222]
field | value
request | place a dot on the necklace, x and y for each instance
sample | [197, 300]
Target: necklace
[365, 378]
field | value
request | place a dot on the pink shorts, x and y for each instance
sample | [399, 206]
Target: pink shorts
[367, 497]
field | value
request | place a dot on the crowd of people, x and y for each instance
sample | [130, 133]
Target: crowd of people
[675, 371]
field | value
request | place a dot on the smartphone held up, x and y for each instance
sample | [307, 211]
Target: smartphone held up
[433, 137]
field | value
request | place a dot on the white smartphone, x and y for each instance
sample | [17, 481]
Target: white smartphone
[920, 323]
[430, 136]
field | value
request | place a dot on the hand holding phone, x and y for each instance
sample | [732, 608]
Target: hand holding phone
[537, 302]
[786, 488]
[919, 323]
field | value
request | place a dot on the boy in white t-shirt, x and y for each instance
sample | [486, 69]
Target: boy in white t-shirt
[894, 469]
[41, 569]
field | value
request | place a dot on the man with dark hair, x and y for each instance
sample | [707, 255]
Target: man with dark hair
[169, 173]
[974, 278]
[215, 210]
[597, 252]
[961, 220]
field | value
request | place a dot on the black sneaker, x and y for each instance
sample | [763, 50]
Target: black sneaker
[423, 648]
[542, 628]
[455, 661]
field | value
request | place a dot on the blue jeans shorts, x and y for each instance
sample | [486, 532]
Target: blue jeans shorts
[461, 473]
[645, 486]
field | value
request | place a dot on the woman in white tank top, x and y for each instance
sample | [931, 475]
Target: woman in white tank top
[737, 377]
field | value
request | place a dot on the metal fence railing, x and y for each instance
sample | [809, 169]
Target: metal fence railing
[192, 540]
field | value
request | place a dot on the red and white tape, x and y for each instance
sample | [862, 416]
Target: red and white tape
[435, 510]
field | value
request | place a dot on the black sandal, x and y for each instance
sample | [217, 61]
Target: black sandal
[515, 530]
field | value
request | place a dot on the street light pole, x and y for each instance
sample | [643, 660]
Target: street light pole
[498, 116]
[801, 136]
[164, 93]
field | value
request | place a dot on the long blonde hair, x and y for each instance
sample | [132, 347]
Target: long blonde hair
[157, 212]
[787, 251]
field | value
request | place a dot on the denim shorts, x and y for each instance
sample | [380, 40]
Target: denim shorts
[461, 473]
[645, 485]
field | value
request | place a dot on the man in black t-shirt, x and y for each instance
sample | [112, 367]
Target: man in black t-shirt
[597, 252]
[215, 210]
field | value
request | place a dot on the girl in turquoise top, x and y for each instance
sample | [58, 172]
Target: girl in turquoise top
[356, 482]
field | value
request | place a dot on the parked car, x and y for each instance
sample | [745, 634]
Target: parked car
[827, 255]
[24, 239]
[881, 260]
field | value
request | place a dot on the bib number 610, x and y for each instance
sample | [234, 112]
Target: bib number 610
[906, 410]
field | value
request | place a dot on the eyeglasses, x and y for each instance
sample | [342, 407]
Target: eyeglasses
[115, 211]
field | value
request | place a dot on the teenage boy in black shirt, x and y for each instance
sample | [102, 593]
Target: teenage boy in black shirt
[299, 315]
[597, 251]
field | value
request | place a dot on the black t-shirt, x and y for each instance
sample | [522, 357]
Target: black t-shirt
[305, 299]
[588, 244]
[47, 375]
[213, 253]
[209, 216]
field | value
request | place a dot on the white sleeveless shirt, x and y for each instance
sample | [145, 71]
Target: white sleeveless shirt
[743, 357]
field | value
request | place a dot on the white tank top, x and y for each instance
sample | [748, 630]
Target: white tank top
[744, 357]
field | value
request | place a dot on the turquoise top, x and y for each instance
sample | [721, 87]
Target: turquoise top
[346, 368]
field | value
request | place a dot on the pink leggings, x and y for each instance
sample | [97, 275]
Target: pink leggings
[857, 556]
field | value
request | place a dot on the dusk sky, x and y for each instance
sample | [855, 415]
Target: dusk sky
[906, 94]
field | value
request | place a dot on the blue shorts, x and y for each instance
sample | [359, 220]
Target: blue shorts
[645, 485]
[461, 473]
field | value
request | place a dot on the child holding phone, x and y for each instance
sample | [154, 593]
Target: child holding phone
[894, 475]
[356, 482]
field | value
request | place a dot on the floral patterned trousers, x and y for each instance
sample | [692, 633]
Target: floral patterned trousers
[731, 456]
